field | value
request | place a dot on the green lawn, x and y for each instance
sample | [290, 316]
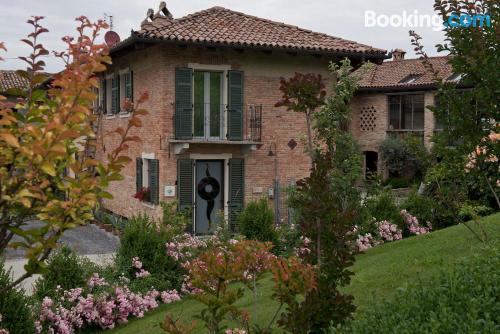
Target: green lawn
[378, 273]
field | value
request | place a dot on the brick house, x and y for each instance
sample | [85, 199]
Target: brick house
[392, 100]
[10, 81]
[213, 139]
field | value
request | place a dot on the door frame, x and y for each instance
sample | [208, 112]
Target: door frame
[224, 157]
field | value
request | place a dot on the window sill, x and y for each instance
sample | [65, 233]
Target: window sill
[110, 116]
[124, 114]
[148, 205]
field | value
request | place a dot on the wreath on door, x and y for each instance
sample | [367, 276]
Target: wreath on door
[209, 188]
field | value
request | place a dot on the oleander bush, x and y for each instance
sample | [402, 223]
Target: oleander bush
[463, 299]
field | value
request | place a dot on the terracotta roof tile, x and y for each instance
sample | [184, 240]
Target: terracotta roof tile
[219, 25]
[9, 79]
[393, 73]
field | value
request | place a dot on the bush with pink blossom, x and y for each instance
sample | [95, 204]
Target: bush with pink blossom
[99, 304]
[388, 231]
[412, 225]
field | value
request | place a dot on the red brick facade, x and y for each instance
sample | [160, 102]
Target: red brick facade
[153, 70]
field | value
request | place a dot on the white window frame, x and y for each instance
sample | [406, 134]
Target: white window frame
[224, 82]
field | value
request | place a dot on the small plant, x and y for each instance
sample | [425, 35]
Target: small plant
[383, 207]
[143, 194]
[214, 272]
[174, 222]
[405, 158]
[144, 238]
[421, 206]
[15, 308]
[256, 222]
[65, 270]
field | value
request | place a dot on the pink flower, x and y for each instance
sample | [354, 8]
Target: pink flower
[95, 280]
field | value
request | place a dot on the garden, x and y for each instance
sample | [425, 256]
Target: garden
[353, 260]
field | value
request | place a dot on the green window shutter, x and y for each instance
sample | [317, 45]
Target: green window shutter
[154, 181]
[138, 174]
[129, 85]
[236, 191]
[235, 105]
[103, 96]
[185, 191]
[115, 94]
[183, 103]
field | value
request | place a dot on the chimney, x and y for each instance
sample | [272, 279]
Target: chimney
[159, 18]
[398, 54]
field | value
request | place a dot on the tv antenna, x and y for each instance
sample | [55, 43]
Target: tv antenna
[109, 18]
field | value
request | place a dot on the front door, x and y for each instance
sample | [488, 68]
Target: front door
[209, 190]
[208, 108]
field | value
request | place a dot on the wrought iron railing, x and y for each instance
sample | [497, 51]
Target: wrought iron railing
[208, 121]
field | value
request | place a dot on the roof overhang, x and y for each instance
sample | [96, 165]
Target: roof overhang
[134, 39]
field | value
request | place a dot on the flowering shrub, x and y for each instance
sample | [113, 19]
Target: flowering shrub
[137, 264]
[303, 248]
[389, 232]
[184, 247]
[236, 331]
[413, 226]
[365, 242]
[142, 240]
[98, 304]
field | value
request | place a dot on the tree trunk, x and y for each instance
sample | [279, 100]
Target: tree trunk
[318, 241]
[309, 138]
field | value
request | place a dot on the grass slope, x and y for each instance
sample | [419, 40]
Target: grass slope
[378, 273]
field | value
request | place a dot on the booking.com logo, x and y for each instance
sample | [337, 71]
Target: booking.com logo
[466, 21]
[416, 20]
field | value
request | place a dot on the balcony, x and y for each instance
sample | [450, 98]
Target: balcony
[220, 124]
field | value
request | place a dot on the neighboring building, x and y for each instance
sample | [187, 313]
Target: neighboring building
[213, 139]
[392, 100]
[10, 84]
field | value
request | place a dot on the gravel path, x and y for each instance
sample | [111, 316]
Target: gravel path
[84, 240]
[97, 245]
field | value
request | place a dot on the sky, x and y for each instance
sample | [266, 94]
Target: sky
[340, 18]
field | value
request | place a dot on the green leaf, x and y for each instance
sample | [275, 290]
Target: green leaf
[48, 168]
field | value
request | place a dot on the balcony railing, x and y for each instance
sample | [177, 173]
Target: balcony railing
[405, 133]
[218, 122]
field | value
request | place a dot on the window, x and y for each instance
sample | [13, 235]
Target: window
[455, 77]
[208, 107]
[115, 88]
[147, 180]
[410, 78]
[406, 112]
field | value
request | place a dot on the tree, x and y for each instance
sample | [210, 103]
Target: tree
[303, 93]
[39, 142]
[327, 206]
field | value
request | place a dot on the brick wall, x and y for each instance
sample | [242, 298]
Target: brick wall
[370, 136]
[154, 70]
